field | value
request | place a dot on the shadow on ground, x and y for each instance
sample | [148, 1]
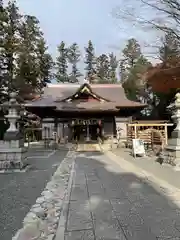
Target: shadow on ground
[165, 172]
[108, 203]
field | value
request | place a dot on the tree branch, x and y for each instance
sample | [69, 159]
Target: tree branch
[170, 10]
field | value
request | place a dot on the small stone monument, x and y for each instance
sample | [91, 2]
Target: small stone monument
[171, 153]
[12, 151]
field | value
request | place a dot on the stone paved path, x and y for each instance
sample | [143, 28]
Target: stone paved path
[108, 203]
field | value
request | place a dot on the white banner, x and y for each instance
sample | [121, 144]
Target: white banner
[138, 147]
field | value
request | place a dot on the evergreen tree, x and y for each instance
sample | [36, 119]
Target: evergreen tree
[90, 61]
[134, 64]
[3, 21]
[61, 64]
[131, 52]
[25, 65]
[28, 67]
[10, 22]
[134, 86]
[45, 64]
[113, 64]
[169, 52]
[102, 68]
[73, 58]
[122, 70]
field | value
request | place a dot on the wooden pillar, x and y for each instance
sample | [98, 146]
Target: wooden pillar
[63, 131]
[135, 131]
[166, 133]
[55, 124]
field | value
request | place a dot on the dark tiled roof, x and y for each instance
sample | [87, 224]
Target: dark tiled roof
[114, 93]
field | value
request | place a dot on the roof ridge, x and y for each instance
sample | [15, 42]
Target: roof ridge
[62, 85]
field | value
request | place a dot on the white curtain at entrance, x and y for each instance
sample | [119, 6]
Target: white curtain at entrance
[47, 133]
[60, 130]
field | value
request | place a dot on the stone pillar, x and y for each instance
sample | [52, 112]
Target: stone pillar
[12, 151]
[172, 150]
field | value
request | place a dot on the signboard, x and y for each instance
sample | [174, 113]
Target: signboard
[86, 122]
[138, 147]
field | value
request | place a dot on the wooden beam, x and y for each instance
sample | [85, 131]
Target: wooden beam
[150, 124]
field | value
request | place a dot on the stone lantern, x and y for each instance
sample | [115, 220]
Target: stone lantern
[171, 153]
[12, 151]
[12, 132]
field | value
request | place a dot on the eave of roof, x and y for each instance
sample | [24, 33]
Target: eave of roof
[113, 93]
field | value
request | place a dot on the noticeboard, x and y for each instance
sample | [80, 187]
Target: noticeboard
[138, 147]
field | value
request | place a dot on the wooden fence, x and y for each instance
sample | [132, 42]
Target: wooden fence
[154, 134]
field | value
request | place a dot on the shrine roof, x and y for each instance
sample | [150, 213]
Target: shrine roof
[111, 92]
[55, 95]
[90, 106]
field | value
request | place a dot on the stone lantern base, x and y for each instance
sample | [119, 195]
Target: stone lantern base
[13, 155]
[171, 153]
[171, 156]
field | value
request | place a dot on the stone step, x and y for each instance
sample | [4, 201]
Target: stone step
[88, 147]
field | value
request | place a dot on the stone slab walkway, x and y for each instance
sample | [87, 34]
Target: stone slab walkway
[105, 202]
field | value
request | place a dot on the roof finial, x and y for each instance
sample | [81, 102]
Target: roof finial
[86, 80]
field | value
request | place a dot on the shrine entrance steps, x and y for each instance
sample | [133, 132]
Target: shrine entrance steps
[88, 147]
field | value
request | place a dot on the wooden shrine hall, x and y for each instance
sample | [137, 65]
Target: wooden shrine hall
[84, 112]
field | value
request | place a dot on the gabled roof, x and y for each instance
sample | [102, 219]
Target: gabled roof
[84, 88]
[113, 92]
[55, 95]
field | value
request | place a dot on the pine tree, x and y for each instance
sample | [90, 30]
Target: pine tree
[10, 43]
[25, 64]
[134, 63]
[169, 52]
[131, 52]
[3, 21]
[113, 64]
[28, 63]
[9, 23]
[73, 58]
[102, 68]
[61, 64]
[45, 64]
[90, 61]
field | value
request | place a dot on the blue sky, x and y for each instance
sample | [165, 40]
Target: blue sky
[81, 20]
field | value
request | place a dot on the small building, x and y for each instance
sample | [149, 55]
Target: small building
[85, 111]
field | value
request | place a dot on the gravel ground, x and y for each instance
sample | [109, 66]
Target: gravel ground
[19, 191]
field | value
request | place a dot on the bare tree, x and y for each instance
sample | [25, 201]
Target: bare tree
[161, 15]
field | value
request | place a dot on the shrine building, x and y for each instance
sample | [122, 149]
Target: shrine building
[84, 111]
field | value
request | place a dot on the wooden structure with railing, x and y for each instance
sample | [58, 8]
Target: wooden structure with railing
[153, 133]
